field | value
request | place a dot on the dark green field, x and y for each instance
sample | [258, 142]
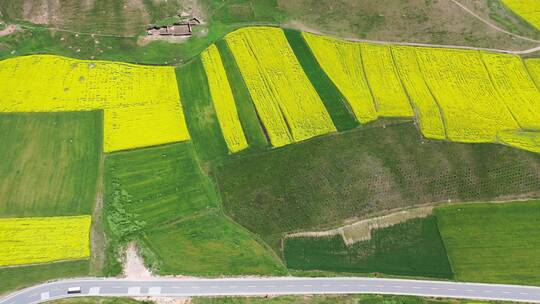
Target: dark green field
[413, 248]
[161, 198]
[321, 182]
[19, 277]
[201, 117]
[496, 243]
[334, 102]
[50, 163]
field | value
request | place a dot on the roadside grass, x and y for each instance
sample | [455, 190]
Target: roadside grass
[244, 104]
[98, 300]
[211, 244]
[334, 102]
[412, 248]
[199, 110]
[51, 163]
[13, 278]
[161, 198]
[495, 243]
[323, 181]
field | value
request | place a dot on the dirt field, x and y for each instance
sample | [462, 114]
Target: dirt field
[422, 21]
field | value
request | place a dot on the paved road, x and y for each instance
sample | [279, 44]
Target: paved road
[273, 286]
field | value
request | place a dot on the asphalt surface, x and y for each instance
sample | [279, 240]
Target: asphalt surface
[271, 286]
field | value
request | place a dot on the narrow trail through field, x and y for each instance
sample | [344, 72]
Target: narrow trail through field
[493, 26]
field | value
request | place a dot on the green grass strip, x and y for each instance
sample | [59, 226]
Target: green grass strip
[244, 104]
[13, 278]
[200, 115]
[333, 100]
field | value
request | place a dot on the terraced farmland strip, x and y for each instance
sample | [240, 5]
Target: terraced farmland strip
[286, 101]
[223, 100]
[335, 103]
[246, 109]
[472, 108]
[44, 239]
[388, 93]
[516, 88]
[50, 163]
[495, 243]
[342, 62]
[46, 83]
[412, 248]
[201, 117]
[529, 141]
[428, 112]
[526, 9]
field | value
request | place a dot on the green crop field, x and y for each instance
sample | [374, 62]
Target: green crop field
[161, 197]
[497, 243]
[323, 181]
[51, 163]
[19, 277]
[412, 248]
[157, 185]
[210, 244]
[200, 114]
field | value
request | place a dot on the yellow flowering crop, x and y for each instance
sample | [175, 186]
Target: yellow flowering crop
[516, 88]
[533, 66]
[472, 108]
[428, 111]
[529, 141]
[223, 100]
[44, 239]
[390, 97]
[342, 62]
[526, 9]
[45, 83]
[283, 95]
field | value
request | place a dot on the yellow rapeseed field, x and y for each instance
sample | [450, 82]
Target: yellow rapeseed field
[223, 100]
[471, 106]
[390, 97]
[287, 103]
[533, 66]
[516, 88]
[342, 62]
[529, 141]
[428, 111]
[526, 9]
[46, 83]
[44, 239]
